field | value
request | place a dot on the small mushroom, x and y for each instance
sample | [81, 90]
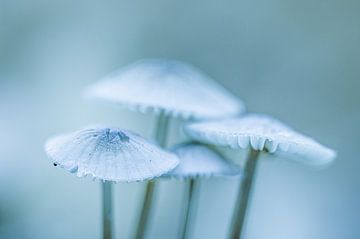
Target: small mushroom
[111, 155]
[262, 134]
[197, 161]
[170, 89]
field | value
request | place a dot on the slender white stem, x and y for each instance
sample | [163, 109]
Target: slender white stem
[161, 129]
[107, 213]
[160, 136]
[243, 198]
[189, 208]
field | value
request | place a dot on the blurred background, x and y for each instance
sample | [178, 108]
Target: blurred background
[296, 60]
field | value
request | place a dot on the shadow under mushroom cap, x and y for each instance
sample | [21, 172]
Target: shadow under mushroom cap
[109, 154]
[170, 86]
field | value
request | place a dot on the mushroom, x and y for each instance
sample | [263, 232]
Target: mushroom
[262, 134]
[167, 87]
[111, 155]
[197, 161]
[170, 89]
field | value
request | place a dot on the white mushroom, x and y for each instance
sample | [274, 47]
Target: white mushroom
[260, 133]
[111, 155]
[175, 88]
[197, 161]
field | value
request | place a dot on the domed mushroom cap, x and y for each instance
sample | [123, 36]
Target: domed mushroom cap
[110, 154]
[261, 132]
[199, 161]
[176, 88]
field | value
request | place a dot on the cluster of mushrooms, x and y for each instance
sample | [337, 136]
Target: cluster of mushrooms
[213, 118]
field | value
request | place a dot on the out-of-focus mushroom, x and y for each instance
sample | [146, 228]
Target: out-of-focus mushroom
[197, 161]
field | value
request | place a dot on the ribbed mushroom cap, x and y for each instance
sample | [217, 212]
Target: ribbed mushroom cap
[200, 161]
[261, 132]
[109, 154]
[174, 87]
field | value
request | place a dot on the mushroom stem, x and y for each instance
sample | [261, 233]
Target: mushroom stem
[244, 193]
[160, 136]
[161, 129]
[189, 205]
[107, 209]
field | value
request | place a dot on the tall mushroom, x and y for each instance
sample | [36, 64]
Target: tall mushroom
[262, 134]
[111, 155]
[197, 161]
[169, 89]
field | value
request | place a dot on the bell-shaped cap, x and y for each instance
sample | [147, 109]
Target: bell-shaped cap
[109, 154]
[169, 86]
[263, 133]
[197, 160]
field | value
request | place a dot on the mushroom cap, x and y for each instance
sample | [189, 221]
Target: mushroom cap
[200, 161]
[169, 86]
[264, 133]
[110, 154]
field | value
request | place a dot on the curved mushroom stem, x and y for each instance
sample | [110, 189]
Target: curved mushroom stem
[107, 214]
[189, 207]
[160, 136]
[238, 221]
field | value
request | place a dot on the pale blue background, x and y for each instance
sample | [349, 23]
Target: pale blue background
[296, 60]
